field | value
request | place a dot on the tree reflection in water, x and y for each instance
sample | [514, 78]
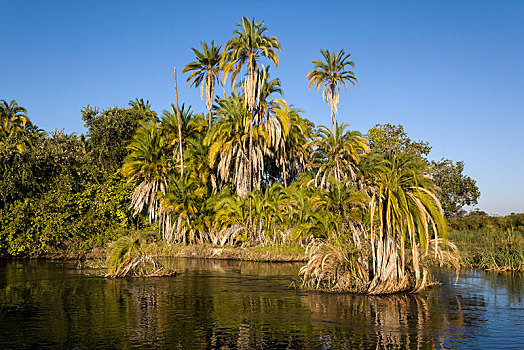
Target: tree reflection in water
[230, 305]
[400, 321]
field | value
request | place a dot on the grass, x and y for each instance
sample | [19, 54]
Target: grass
[490, 250]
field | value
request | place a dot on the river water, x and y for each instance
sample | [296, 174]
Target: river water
[216, 304]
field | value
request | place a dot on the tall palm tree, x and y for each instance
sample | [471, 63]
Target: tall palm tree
[331, 74]
[204, 72]
[246, 47]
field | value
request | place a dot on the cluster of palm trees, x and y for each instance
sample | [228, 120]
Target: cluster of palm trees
[253, 171]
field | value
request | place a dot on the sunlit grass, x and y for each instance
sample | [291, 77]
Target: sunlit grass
[491, 250]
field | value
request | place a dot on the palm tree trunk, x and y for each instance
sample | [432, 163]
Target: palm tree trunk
[332, 111]
[223, 89]
[250, 176]
[210, 88]
[250, 99]
[284, 173]
[179, 129]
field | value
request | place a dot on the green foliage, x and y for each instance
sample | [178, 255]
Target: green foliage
[479, 220]
[455, 188]
[57, 219]
[110, 131]
[52, 197]
[122, 251]
[393, 140]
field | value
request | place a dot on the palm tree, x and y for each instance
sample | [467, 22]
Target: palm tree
[144, 108]
[292, 154]
[13, 114]
[147, 165]
[191, 127]
[331, 74]
[182, 202]
[248, 45]
[245, 48]
[204, 71]
[16, 129]
[229, 141]
[405, 211]
[337, 155]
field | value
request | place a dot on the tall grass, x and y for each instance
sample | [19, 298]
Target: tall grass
[490, 250]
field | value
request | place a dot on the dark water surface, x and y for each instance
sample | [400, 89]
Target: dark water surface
[246, 305]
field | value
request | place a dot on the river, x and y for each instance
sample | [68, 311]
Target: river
[215, 304]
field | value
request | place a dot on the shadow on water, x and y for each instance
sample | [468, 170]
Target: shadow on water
[238, 305]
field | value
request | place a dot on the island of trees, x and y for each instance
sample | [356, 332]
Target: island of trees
[368, 211]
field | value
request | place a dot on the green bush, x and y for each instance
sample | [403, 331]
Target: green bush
[58, 219]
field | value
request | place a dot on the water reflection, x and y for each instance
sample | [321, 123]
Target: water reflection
[240, 305]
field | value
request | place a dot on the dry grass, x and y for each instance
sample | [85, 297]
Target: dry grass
[334, 269]
[141, 266]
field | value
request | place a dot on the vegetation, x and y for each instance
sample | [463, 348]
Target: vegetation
[127, 259]
[490, 250]
[63, 193]
[489, 242]
[331, 74]
[252, 172]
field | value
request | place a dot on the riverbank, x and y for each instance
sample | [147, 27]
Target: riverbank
[205, 251]
[208, 251]
[479, 249]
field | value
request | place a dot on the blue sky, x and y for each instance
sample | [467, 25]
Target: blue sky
[451, 72]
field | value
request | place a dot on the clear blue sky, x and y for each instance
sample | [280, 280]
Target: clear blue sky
[451, 72]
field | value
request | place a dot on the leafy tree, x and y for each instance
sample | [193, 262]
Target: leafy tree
[455, 188]
[332, 74]
[18, 138]
[393, 140]
[110, 131]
